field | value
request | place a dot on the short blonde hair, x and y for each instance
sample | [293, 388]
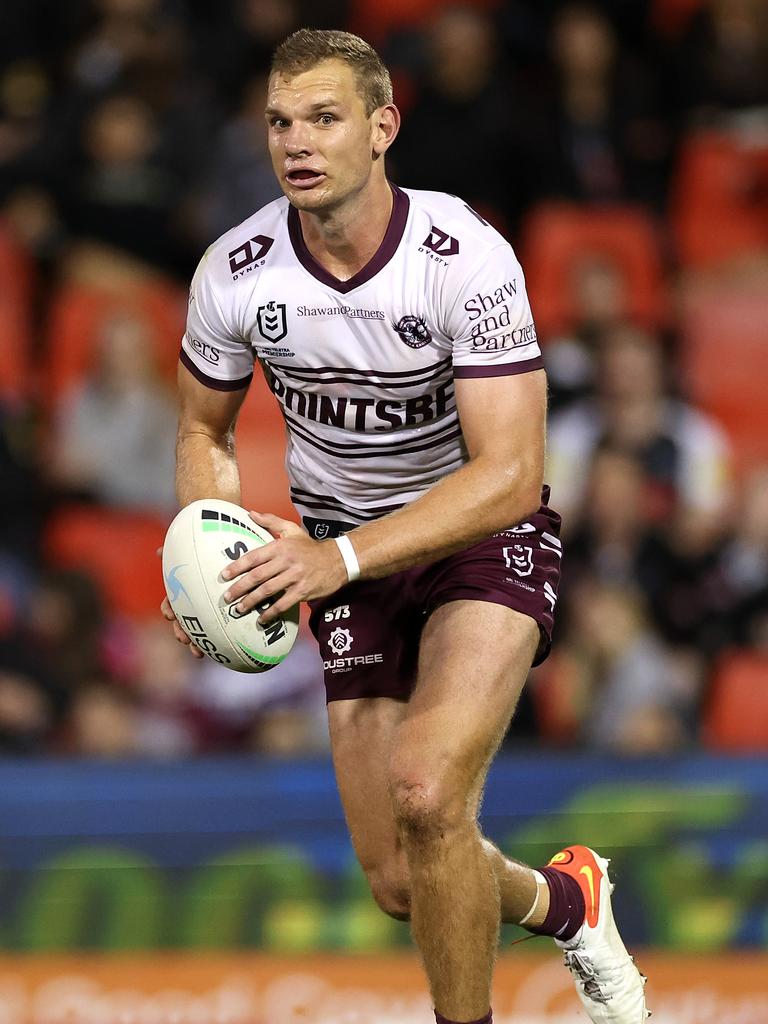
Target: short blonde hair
[309, 47]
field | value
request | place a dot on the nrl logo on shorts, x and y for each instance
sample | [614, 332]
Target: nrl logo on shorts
[340, 640]
[519, 558]
[272, 321]
[414, 331]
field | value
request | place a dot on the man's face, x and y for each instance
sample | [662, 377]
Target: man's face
[320, 139]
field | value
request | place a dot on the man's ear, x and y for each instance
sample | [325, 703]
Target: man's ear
[385, 126]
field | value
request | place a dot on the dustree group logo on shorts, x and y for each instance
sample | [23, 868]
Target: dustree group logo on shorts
[340, 640]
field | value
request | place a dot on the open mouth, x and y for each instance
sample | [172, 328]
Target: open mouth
[304, 177]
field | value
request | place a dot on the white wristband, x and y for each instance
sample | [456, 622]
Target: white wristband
[349, 556]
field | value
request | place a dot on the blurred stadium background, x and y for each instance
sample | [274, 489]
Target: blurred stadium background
[172, 850]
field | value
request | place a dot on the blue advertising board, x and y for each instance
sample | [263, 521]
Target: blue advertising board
[243, 853]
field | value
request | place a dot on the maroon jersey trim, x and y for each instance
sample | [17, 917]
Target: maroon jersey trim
[500, 369]
[379, 260]
[213, 382]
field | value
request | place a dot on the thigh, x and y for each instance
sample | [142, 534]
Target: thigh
[473, 662]
[362, 734]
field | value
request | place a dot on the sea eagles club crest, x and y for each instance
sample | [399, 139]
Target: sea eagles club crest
[414, 331]
[272, 321]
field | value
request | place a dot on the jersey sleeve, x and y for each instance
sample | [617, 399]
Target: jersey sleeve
[490, 320]
[212, 349]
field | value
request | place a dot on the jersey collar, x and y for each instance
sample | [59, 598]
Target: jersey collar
[377, 262]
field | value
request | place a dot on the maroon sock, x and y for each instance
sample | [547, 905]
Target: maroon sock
[487, 1019]
[566, 906]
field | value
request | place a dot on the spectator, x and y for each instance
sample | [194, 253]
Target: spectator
[743, 568]
[115, 432]
[467, 95]
[616, 543]
[237, 710]
[124, 190]
[599, 288]
[610, 140]
[161, 683]
[683, 451]
[103, 723]
[240, 179]
[243, 44]
[725, 56]
[26, 713]
[133, 44]
[24, 100]
[628, 692]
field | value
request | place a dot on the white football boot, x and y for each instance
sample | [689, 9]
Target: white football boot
[607, 982]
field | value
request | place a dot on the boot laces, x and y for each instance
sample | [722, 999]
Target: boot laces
[582, 967]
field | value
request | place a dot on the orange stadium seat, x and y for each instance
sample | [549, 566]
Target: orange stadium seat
[736, 717]
[557, 236]
[15, 319]
[720, 200]
[724, 332]
[118, 549]
[79, 311]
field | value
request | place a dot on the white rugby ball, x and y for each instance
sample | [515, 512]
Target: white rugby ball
[201, 541]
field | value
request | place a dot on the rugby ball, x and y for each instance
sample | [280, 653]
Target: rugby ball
[201, 541]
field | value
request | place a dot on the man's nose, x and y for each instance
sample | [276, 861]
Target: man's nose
[298, 139]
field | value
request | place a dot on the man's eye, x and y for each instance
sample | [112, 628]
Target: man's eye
[326, 119]
[279, 122]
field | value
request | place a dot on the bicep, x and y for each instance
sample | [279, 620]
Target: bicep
[207, 410]
[504, 418]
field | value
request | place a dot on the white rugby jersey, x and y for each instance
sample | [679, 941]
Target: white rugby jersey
[363, 369]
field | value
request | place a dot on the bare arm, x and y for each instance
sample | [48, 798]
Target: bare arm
[503, 422]
[206, 466]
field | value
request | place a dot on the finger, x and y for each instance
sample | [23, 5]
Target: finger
[284, 603]
[166, 610]
[250, 560]
[180, 635]
[159, 552]
[249, 581]
[277, 527]
[264, 592]
[182, 638]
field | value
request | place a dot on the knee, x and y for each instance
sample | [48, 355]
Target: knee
[391, 891]
[425, 809]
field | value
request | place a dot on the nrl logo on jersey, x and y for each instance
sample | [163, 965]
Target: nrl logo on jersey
[272, 321]
[414, 331]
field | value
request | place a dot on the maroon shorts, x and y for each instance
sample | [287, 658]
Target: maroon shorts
[369, 631]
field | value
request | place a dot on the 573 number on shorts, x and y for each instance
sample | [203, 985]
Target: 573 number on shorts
[334, 614]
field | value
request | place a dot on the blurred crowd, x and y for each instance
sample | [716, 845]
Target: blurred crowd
[621, 146]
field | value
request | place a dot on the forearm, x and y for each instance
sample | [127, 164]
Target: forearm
[476, 501]
[206, 467]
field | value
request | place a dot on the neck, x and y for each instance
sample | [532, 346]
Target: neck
[344, 240]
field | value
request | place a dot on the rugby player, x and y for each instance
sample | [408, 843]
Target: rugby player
[394, 330]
